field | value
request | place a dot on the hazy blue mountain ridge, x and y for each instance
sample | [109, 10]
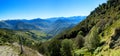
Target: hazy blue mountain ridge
[51, 25]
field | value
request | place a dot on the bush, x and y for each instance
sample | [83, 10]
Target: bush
[54, 48]
[92, 40]
[79, 41]
[66, 47]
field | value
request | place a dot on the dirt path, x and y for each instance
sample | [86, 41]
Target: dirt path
[39, 54]
[7, 51]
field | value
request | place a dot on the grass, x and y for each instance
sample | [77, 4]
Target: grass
[110, 31]
[107, 34]
[110, 52]
[82, 51]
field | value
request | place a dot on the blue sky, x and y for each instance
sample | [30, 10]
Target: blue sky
[29, 9]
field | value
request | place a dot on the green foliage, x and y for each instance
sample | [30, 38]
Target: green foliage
[92, 40]
[79, 41]
[54, 48]
[82, 52]
[66, 47]
[20, 37]
[37, 35]
[98, 30]
[43, 48]
[5, 35]
[97, 33]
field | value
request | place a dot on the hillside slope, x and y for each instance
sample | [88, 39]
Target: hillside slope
[97, 35]
[18, 43]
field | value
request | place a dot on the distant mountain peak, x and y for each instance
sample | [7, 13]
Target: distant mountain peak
[46, 25]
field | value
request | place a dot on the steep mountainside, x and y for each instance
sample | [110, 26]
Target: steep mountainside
[97, 35]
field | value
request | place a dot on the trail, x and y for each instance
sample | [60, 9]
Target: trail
[9, 51]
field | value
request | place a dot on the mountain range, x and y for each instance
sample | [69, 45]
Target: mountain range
[24, 37]
[98, 34]
[50, 26]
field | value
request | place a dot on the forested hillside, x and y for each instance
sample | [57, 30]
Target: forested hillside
[97, 35]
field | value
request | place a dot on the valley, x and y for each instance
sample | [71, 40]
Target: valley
[97, 34]
[24, 37]
[48, 26]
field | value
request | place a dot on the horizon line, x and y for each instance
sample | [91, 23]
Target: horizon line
[42, 18]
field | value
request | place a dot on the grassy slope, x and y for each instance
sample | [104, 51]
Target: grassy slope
[13, 39]
[105, 19]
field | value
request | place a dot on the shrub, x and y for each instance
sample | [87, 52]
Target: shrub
[54, 48]
[92, 40]
[66, 47]
[79, 41]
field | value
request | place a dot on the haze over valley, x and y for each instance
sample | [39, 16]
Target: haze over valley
[59, 27]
